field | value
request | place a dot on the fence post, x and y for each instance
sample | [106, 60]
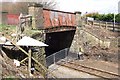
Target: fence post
[99, 23]
[93, 23]
[54, 58]
[113, 26]
[66, 54]
[106, 25]
[29, 63]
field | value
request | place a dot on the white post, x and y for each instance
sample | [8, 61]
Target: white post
[29, 62]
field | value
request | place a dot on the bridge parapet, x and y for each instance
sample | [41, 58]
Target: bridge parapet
[53, 18]
[48, 19]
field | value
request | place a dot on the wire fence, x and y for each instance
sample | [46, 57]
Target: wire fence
[63, 54]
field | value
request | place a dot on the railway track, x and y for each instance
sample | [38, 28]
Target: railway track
[90, 70]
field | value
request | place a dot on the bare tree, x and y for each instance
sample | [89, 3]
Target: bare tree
[22, 6]
[15, 8]
[48, 4]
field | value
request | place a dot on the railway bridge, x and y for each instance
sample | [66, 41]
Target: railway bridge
[59, 26]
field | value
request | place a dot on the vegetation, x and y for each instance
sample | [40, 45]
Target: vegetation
[22, 7]
[7, 29]
[105, 17]
[10, 29]
[31, 32]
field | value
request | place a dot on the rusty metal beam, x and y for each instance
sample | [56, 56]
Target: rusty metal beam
[59, 29]
[58, 11]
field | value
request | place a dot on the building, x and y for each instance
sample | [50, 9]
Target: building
[3, 17]
[119, 7]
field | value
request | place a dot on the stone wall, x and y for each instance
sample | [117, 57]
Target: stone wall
[36, 11]
[76, 43]
[40, 54]
[83, 37]
[93, 40]
[94, 47]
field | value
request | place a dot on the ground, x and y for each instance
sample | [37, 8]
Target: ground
[105, 59]
[64, 72]
[9, 70]
[96, 52]
[94, 56]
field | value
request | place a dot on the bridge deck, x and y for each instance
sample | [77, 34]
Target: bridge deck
[59, 29]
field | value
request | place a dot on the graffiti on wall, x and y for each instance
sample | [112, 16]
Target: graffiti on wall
[52, 18]
[58, 18]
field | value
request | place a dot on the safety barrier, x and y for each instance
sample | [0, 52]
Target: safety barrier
[60, 55]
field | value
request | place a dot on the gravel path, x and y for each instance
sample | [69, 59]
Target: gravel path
[107, 66]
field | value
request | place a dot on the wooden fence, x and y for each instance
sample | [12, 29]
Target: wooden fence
[107, 25]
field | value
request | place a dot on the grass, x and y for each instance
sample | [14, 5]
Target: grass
[7, 29]
[30, 32]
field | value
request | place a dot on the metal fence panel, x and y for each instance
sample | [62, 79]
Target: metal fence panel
[55, 57]
[60, 55]
[50, 60]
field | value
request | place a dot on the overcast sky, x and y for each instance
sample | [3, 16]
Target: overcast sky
[101, 6]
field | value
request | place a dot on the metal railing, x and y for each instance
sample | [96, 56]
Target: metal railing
[60, 55]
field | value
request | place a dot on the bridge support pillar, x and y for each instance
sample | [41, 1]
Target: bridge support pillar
[76, 41]
[78, 19]
[36, 11]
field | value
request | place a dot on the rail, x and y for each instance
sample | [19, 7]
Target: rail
[90, 70]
